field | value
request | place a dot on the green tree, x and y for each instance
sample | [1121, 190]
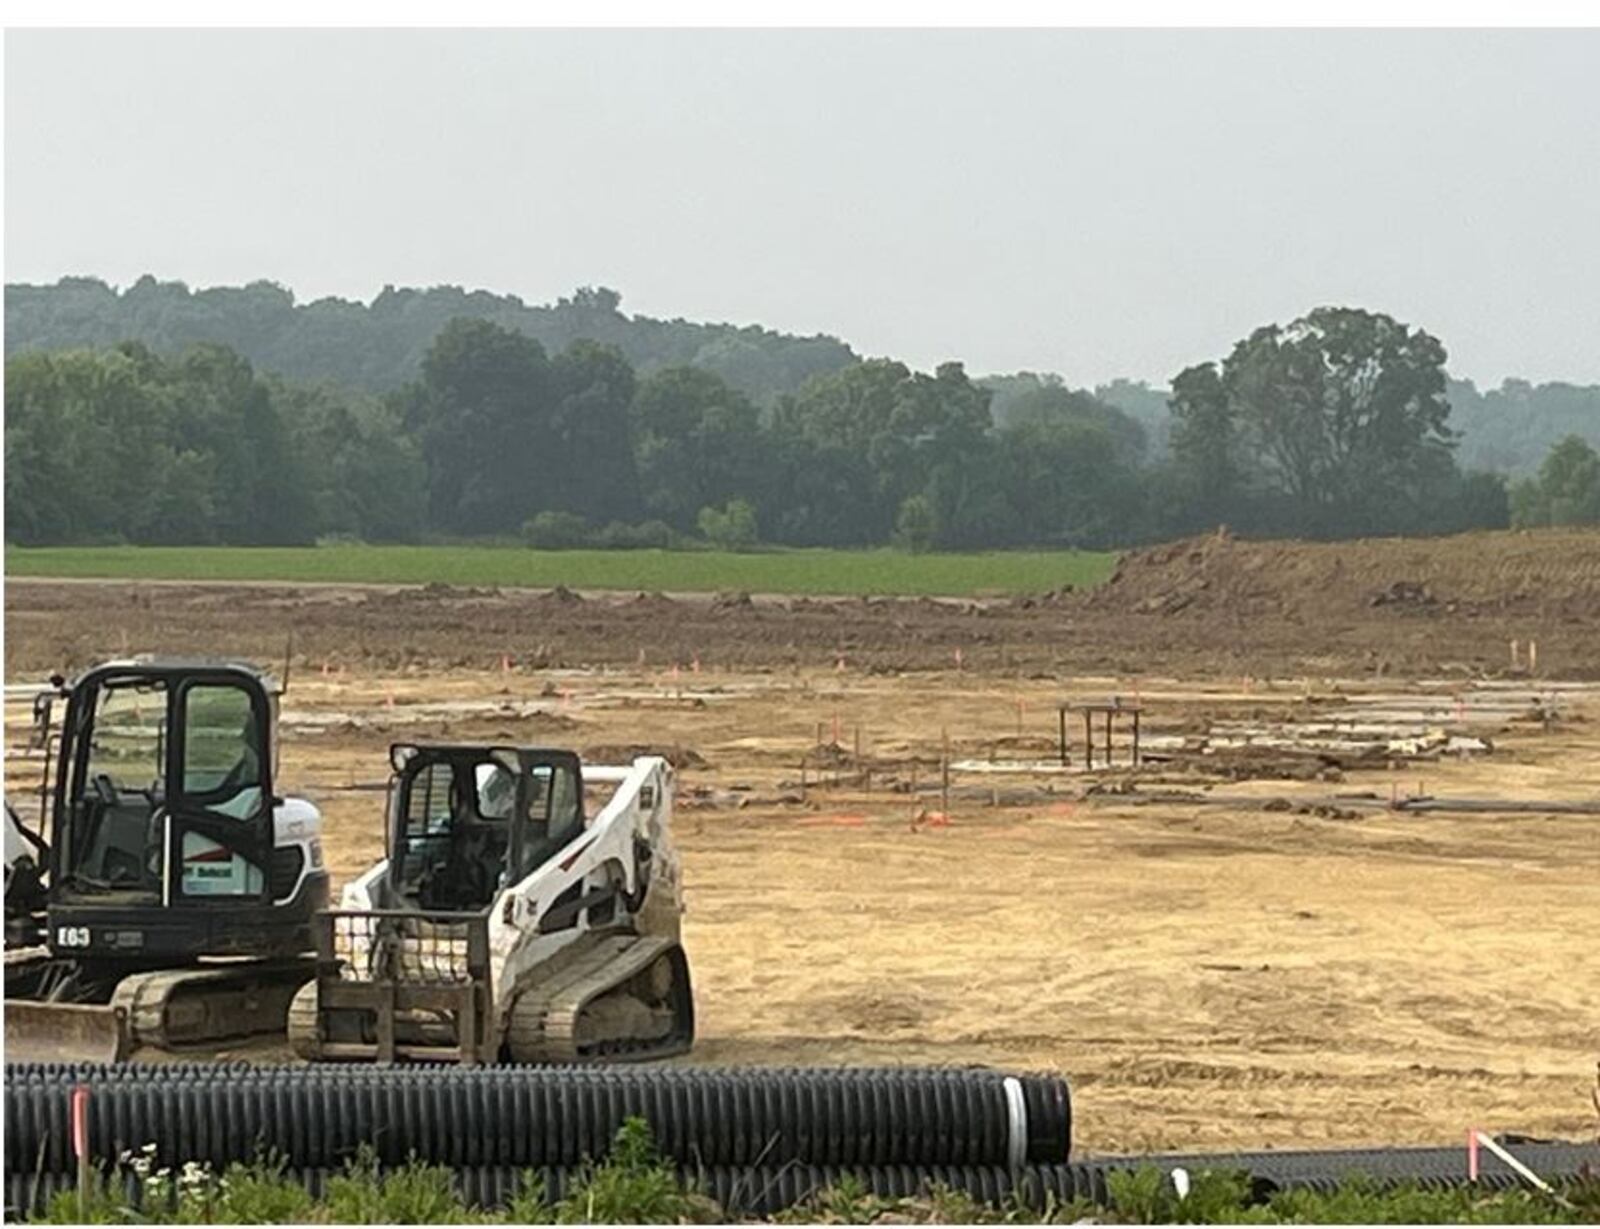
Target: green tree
[914, 525]
[901, 423]
[481, 415]
[1207, 450]
[1055, 404]
[1323, 424]
[1070, 486]
[1339, 404]
[697, 442]
[1566, 491]
[367, 477]
[123, 444]
[589, 467]
[732, 528]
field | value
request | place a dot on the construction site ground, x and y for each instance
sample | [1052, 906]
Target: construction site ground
[1249, 941]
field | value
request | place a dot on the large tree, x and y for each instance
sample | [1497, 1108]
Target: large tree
[698, 444]
[481, 414]
[1567, 490]
[901, 425]
[1335, 416]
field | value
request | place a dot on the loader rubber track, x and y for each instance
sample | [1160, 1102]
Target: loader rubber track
[553, 1020]
[303, 1028]
[173, 1008]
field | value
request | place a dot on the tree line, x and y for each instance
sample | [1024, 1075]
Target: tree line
[378, 347]
[1337, 424]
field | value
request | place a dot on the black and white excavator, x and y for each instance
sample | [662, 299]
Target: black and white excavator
[167, 897]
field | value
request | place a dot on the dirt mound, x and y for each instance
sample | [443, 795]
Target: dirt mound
[1544, 573]
[625, 753]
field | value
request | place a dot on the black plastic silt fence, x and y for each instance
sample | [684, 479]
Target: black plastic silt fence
[1429, 1168]
[320, 1116]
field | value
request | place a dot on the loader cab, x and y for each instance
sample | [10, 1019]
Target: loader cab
[163, 798]
[467, 821]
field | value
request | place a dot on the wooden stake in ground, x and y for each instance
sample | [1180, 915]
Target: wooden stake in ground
[80, 1146]
[944, 776]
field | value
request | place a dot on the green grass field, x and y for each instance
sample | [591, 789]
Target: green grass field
[877, 572]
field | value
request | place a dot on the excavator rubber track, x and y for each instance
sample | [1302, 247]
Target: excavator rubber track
[176, 1008]
[625, 998]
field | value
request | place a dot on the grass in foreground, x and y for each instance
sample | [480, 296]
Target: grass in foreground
[635, 1186]
[817, 572]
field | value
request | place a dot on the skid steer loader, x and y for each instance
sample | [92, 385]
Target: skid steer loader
[177, 888]
[505, 922]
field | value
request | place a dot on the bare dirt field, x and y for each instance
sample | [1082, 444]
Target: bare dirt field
[1259, 937]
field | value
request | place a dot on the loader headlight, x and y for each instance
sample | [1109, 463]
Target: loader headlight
[316, 855]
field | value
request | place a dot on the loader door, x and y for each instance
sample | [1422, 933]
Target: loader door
[452, 828]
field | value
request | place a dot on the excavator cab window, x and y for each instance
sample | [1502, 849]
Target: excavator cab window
[222, 780]
[115, 842]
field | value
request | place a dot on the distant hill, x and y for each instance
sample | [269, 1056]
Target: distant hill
[379, 346]
[1511, 428]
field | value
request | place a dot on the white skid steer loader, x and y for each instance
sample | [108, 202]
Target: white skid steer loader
[505, 923]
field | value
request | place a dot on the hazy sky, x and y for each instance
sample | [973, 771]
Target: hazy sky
[1091, 202]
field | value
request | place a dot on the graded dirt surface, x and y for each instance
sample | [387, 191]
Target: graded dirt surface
[1231, 947]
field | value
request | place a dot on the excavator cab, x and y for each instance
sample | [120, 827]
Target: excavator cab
[163, 815]
[168, 847]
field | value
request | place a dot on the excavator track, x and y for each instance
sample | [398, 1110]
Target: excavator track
[172, 1008]
[626, 998]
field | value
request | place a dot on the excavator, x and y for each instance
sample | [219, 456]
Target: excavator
[506, 922]
[168, 895]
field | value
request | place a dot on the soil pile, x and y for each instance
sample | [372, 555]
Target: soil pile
[1549, 574]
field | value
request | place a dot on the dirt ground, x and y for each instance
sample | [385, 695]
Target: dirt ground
[1242, 943]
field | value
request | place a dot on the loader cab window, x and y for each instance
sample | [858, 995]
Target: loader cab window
[554, 813]
[454, 833]
[457, 822]
[497, 790]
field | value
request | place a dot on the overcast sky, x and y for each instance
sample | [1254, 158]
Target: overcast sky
[1096, 203]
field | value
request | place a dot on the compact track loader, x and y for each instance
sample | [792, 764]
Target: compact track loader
[177, 888]
[506, 923]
